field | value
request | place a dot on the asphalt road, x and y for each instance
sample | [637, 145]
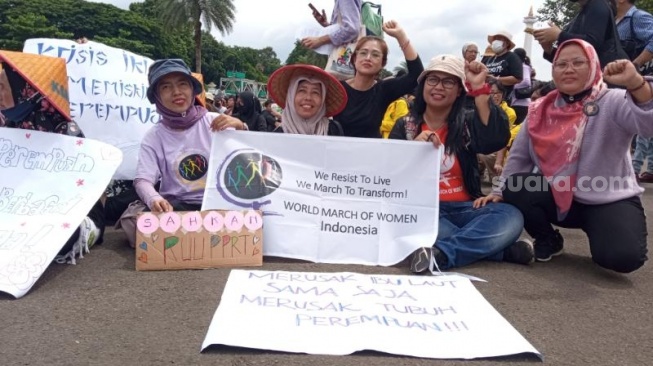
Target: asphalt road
[103, 312]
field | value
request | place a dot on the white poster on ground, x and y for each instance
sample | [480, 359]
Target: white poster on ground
[107, 92]
[329, 199]
[49, 184]
[341, 313]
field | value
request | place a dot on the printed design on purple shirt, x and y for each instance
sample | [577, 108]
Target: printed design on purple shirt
[193, 167]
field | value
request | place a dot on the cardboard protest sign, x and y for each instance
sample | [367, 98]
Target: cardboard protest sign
[192, 239]
[329, 199]
[341, 313]
[49, 184]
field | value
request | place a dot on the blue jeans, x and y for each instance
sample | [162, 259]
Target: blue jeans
[643, 150]
[467, 235]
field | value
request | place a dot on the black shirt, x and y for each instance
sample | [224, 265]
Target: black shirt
[508, 64]
[363, 114]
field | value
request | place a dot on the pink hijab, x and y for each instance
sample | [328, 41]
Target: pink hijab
[556, 130]
[293, 123]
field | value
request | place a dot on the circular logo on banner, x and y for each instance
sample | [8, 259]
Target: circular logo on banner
[193, 167]
[251, 175]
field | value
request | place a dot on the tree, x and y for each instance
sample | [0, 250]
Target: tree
[177, 14]
[557, 11]
[15, 30]
[562, 11]
[303, 55]
[402, 66]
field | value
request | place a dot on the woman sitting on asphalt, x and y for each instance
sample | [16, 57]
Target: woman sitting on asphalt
[576, 140]
[466, 232]
[308, 96]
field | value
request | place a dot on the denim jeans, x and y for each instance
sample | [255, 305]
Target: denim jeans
[643, 150]
[467, 234]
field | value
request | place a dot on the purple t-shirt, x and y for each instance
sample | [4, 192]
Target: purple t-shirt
[179, 158]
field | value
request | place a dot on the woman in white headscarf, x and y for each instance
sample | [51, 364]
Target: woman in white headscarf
[309, 96]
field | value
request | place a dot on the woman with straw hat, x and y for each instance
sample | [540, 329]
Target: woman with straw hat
[309, 96]
[29, 101]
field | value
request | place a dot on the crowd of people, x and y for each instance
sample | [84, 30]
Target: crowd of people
[543, 145]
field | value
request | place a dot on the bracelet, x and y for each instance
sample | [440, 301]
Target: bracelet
[484, 90]
[430, 138]
[639, 87]
[403, 46]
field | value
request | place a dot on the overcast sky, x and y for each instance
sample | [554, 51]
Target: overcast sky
[434, 27]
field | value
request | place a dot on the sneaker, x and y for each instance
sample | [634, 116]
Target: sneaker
[422, 257]
[646, 177]
[549, 247]
[520, 252]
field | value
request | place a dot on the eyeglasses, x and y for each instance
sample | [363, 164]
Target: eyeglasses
[447, 83]
[577, 63]
[374, 55]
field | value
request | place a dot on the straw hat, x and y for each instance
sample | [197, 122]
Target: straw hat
[502, 33]
[46, 74]
[336, 96]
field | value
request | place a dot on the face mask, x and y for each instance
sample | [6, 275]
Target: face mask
[497, 46]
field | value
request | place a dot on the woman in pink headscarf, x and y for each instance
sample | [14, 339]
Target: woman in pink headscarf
[570, 164]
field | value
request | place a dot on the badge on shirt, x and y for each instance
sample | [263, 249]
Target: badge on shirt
[590, 109]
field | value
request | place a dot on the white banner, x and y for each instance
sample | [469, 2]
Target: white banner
[341, 313]
[49, 184]
[107, 93]
[329, 199]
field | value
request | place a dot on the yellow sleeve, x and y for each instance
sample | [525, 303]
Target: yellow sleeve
[512, 116]
[401, 109]
[513, 134]
[388, 120]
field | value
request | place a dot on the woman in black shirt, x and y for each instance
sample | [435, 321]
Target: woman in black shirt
[368, 97]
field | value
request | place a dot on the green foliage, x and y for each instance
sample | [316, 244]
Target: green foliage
[303, 55]
[182, 14]
[562, 11]
[646, 5]
[138, 29]
[558, 11]
[16, 29]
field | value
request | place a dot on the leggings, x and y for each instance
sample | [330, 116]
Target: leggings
[616, 231]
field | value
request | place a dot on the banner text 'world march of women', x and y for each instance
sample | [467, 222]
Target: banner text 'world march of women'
[329, 199]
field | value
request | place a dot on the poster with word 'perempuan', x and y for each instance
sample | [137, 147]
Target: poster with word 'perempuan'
[107, 92]
[329, 199]
[341, 313]
[49, 184]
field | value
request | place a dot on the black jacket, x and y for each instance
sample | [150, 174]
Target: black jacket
[594, 24]
[480, 139]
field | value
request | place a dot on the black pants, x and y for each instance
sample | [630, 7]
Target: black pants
[616, 231]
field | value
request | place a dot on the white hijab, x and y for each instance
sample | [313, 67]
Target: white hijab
[293, 123]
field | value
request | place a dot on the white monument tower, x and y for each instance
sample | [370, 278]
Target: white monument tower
[528, 38]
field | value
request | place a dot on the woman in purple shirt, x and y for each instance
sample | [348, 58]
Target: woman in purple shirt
[175, 152]
[570, 164]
